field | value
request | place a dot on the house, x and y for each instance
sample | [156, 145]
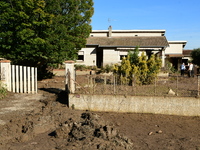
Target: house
[186, 56]
[110, 46]
[174, 53]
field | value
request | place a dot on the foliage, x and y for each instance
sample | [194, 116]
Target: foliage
[3, 90]
[40, 33]
[169, 68]
[195, 54]
[133, 55]
[80, 67]
[107, 68]
[124, 70]
[140, 71]
[84, 67]
[154, 65]
[73, 106]
[143, 70]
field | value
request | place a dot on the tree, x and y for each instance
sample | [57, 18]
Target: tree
[140, 70]
[41, 33]
[22, 30]
[133, 55]
[71, 26]
[154, 64]
[195, 54]
[144, 70]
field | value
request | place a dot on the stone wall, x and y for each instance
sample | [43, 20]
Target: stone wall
[184, 106]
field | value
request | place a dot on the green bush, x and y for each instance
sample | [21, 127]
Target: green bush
[3, 90]
[142, 69]
[80, 67]
[106, 69]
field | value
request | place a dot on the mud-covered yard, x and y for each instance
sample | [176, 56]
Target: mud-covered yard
[44, 122]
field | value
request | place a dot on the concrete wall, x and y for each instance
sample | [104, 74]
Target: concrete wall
[104, 33]
[89, 57]
[110, 56]
[184, 106]
[174, 48]
[135, 34]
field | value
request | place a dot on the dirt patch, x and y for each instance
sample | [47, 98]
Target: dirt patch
[44, 121]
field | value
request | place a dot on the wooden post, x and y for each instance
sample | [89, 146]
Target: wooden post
[198, 83]
[155, 86]
[176, 85]
[114, 84]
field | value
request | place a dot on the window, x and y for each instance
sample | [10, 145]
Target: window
[121, 56]
[81, 57]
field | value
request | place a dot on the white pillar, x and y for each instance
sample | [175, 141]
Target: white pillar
[70, 76]
[5, 72]
[163, 58]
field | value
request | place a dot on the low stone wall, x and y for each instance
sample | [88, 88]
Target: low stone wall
[184, 106]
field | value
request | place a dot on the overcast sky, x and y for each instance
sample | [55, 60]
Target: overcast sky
[180, 18]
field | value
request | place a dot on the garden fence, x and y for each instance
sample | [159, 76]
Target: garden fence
[18, 79]
[173, 85]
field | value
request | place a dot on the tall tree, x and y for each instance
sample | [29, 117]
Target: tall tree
[195, 54]
[43, 32]
[22, 30]
[71, 26]
[133, 56]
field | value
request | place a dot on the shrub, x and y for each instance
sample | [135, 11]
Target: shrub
[107, 68]
[80, 67]
[144, 70]
[124, 71]
[3, 90]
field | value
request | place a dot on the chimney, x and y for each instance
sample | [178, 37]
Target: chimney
[110, 31]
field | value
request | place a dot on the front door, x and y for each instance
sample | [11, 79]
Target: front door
[99, 57]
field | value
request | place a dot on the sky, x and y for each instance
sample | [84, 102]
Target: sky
[180, 18]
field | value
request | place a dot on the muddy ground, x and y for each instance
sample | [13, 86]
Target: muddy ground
[44, 122]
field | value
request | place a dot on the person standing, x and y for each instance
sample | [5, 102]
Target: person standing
[191, 70]
[182, 67]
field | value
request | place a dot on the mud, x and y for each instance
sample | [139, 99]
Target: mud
[43, 121]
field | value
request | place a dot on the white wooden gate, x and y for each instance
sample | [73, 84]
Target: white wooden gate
[18, 79]
[23, 79]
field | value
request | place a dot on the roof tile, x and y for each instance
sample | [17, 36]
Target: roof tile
[141, 41]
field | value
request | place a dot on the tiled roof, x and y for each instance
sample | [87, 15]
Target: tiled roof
[175, 55]
[141, 41]
[187, 52]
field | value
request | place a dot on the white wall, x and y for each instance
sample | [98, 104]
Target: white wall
[135, 34]
[188, 58]
[110, 56]
[127, 33]
[174, 48]
[89, 57]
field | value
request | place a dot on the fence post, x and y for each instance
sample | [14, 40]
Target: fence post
[155, 86]
[176, 85]
[70, 76]
[5, 73]
[133, 84]
[114, 84]
[198, 83]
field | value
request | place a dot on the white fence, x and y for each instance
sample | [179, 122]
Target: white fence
[18, 79]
